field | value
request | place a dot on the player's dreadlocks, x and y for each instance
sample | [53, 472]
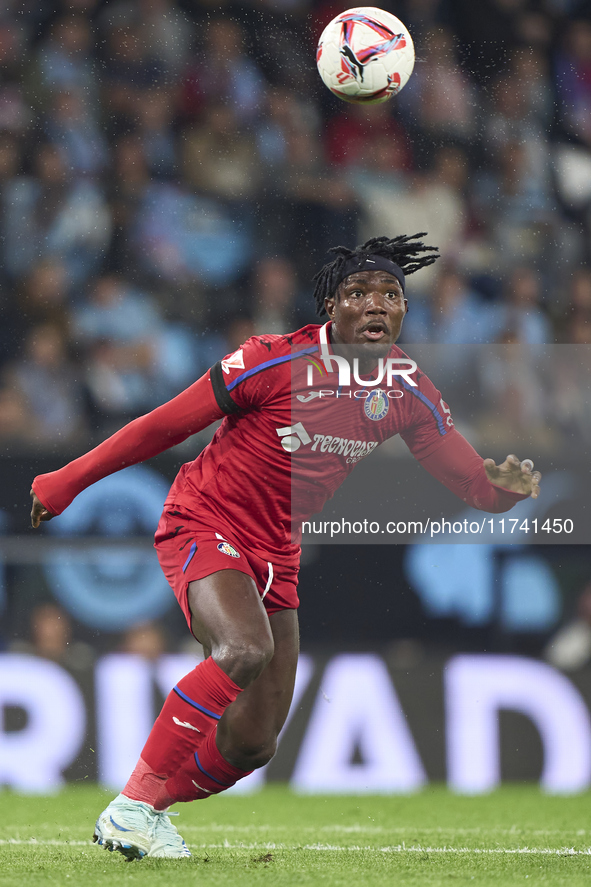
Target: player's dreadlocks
[403, 251]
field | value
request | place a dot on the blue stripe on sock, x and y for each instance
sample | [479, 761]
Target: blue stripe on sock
[192, 551]
[209, 776]
[196, 705]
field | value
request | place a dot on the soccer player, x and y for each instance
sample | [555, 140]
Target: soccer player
[228, 539]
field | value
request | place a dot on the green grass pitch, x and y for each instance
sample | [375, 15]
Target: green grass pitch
[516, 835]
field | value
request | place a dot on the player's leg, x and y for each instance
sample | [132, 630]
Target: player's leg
[247, 733]
[246, 736]
[233, 624]
[229, 619]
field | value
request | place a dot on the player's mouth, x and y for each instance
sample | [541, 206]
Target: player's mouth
[375, 331]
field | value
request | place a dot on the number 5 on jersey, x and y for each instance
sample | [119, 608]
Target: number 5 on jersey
[293, 436]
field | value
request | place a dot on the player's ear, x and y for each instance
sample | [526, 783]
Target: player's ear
[330, 306]
[405, 307]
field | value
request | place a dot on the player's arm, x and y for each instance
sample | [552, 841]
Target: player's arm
[165, 427]
[477, 481]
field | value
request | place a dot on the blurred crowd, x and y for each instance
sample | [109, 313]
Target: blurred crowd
[173, 172]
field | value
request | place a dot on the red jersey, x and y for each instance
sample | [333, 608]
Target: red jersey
[285, 444]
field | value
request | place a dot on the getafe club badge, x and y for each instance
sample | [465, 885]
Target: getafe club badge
[376, 405]
[226, 548]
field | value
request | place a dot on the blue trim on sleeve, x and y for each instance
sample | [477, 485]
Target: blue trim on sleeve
[196, 705]
[441, 427]
[270, 363]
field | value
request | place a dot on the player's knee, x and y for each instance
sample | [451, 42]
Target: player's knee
[259, 757]
[243, 661]
[255, 754]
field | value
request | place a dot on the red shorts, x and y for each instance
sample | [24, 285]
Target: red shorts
[188, 550]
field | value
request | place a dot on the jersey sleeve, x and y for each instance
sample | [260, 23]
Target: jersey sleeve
[429, 419]
[240, 380]
[446, 454]
[163, 428]
[457, 465]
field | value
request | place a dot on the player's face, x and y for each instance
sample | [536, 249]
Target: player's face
[367, 311]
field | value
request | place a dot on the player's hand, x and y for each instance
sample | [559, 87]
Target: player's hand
[38, 512]
[514, 475]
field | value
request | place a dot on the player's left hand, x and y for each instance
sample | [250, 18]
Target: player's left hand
[514, 475]
[38, 512]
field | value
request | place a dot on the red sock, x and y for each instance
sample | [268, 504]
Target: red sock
[143, 784]
[205, 773]
[191, 711]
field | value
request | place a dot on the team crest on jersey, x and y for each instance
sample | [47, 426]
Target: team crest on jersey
[376, 405]
[233, 361]
[228, 549]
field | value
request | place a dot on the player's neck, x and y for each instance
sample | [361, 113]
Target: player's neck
[367, 364]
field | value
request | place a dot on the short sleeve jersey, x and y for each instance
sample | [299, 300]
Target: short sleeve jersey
[294, 429]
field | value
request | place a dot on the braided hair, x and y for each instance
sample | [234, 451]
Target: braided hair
[404, 251]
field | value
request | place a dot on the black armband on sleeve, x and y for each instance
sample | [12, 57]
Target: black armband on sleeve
[224, 401]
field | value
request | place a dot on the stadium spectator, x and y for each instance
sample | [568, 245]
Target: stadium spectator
[440, 93]
[274, 292]
[220, 156]
[117, 379]
[147, 639]
[455, 315]
[16, 419]
[129, 68]
[570, 647]
[10, 167]
[72, 129]
[15, 113]
[285, 111]
[136, 358]
[515, 208]
[282, 44]
[65, 61]
[115, 310]
[129, 62]
[52, 637]
[530, 67]
[155, 112]
[486, 33]
[521, 315]
[182, 237]
[349, 134]
[128, 184]
[220, 70]
[317, 206]
[51, 215]
[515, 398]
[573, 79]
[575, 325]
[167, 32]
[44, 296]
[50, 385]
[239, 330]
[424, 198]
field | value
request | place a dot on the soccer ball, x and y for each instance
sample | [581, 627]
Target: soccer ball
[365, 55]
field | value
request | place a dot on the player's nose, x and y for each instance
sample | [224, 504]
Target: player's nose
[375, 303]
